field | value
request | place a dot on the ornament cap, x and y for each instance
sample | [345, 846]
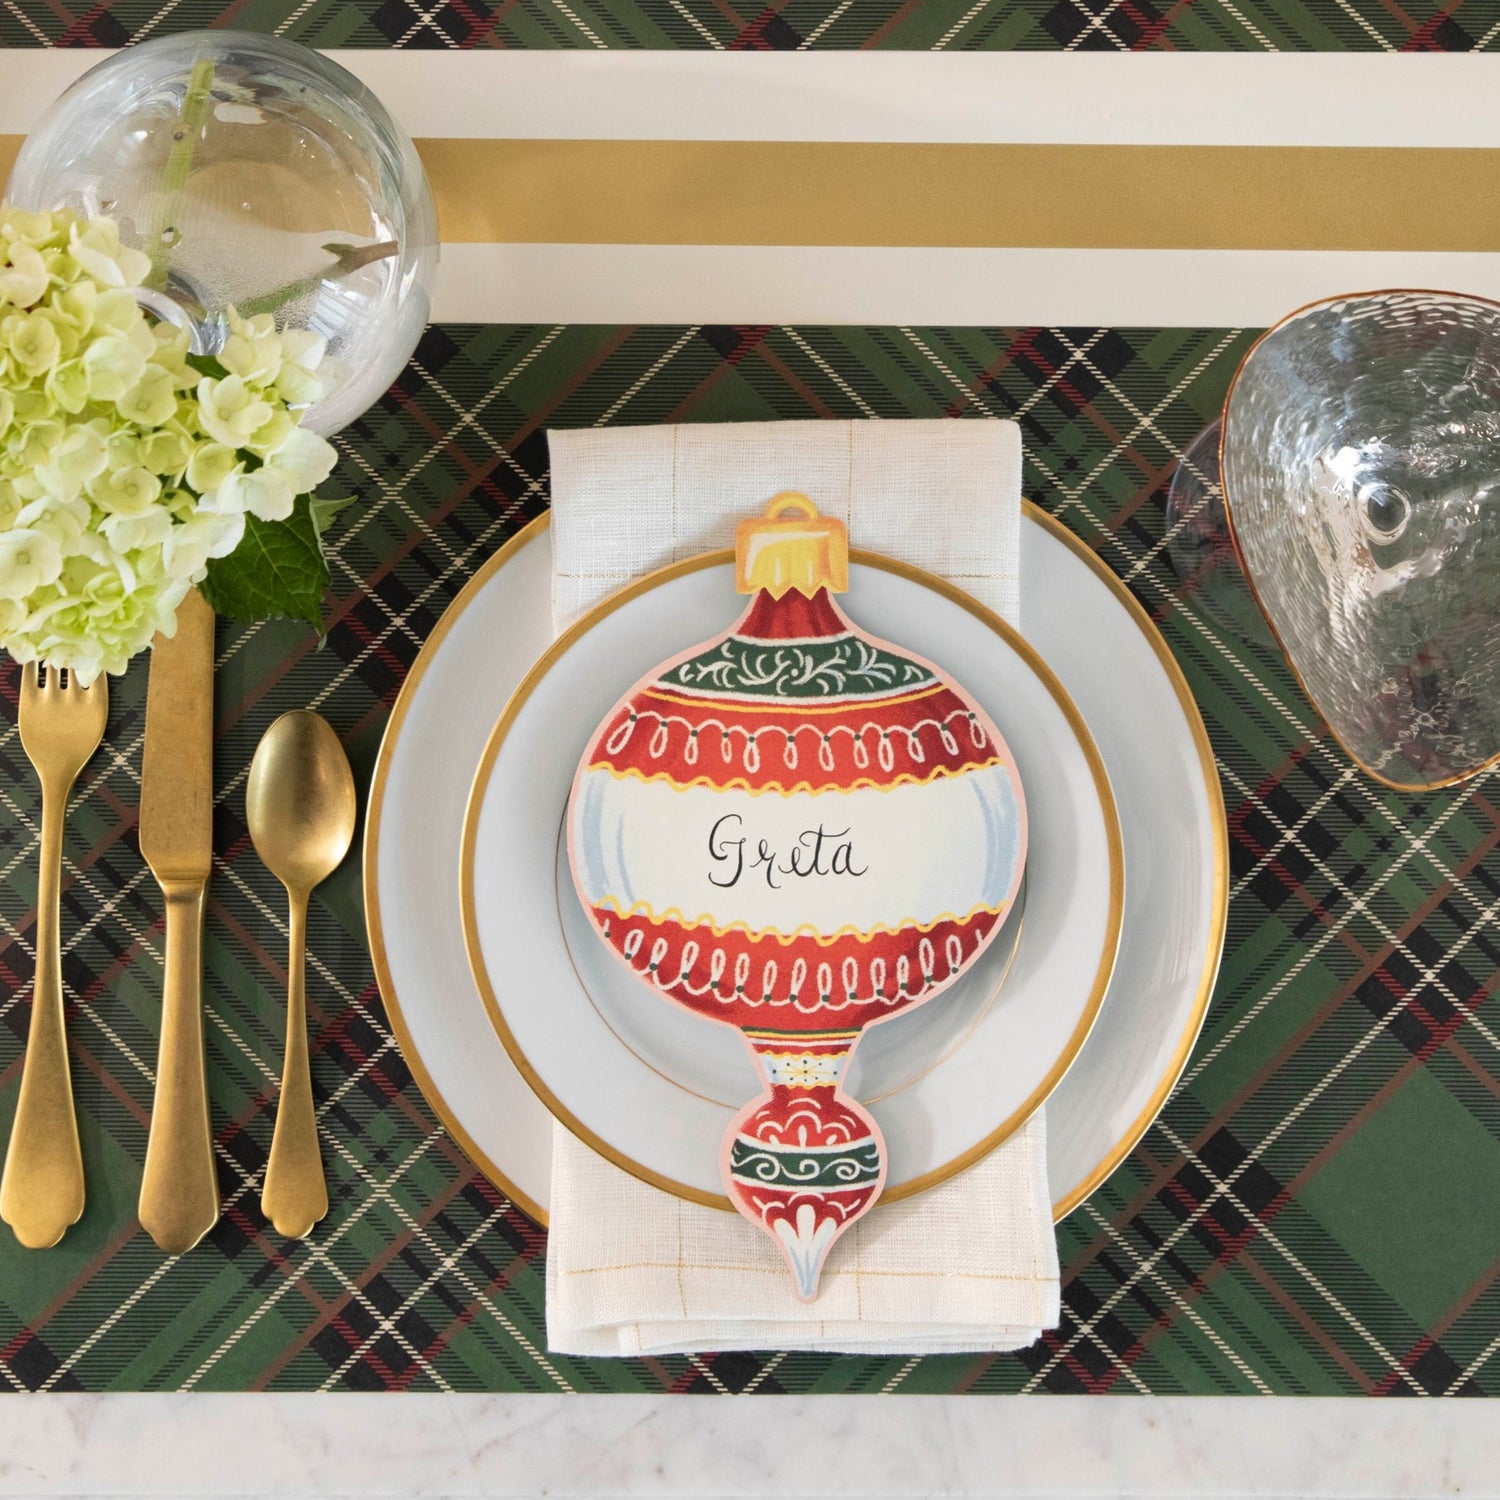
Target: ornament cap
[808, 552]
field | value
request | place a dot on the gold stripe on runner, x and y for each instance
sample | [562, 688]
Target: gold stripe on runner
[840, 193]
[961, 195]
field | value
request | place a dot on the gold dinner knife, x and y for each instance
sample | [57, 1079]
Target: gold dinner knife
[179, 1190]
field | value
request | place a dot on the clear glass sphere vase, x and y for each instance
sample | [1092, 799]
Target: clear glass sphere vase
[257, 174]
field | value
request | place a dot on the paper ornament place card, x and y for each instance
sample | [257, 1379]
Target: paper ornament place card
[799, 830]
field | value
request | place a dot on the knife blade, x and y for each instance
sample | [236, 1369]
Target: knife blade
[179, 1188]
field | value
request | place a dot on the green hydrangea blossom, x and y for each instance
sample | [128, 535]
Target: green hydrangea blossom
[124, 468]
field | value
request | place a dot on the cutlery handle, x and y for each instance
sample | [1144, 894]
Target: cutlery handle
[295, 1195]
[179, 1188]
[42, 1190]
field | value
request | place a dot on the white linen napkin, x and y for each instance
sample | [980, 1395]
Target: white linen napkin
[968, 1265]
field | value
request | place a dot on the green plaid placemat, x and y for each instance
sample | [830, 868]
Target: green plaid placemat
[1317, 1211]
[779, 25]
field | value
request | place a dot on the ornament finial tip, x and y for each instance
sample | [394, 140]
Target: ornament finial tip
[805, 1246]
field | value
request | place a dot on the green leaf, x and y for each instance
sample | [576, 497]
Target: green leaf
[323, 511]
[205, 364]
[277, 569]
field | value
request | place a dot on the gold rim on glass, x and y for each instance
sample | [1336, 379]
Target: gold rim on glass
[1012, 638]
[1207, 974]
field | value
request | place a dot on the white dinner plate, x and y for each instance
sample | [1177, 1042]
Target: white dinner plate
[564, 1023]
[1113, 664]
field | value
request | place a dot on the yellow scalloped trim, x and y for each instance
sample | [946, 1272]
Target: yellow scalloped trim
[823, 940]
[740, 784]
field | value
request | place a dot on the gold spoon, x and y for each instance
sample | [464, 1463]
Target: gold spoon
[299, 804]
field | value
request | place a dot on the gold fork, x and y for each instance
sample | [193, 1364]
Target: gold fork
[41, 1193]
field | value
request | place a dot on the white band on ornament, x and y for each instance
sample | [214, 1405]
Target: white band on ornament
[700, 853]
[803, 1070]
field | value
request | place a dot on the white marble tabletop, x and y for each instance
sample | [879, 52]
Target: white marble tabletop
[709, 1446]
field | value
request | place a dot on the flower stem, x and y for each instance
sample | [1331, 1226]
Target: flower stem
[347, 259]
[191, 119]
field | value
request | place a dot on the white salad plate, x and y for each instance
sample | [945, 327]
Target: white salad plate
[1112, 664]
[580, 1026]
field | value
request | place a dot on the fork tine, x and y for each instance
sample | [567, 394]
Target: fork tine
[52, 698]
[91, 702]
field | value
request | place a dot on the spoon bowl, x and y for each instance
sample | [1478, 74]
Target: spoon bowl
[300, 801]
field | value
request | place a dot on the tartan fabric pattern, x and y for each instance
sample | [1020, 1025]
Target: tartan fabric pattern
[787, 25]
[1317, 1210]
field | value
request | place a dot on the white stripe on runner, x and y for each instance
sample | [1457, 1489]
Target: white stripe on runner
[1200, 98]
[929, 286]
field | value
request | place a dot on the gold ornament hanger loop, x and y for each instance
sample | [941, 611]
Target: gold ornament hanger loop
[808, 552]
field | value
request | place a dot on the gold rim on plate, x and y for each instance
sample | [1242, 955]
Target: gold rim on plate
[1208, 973]
[373, 813]
[1043, 673]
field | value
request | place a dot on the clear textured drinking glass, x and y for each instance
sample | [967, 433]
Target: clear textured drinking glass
[1360, 464]
[254, 172]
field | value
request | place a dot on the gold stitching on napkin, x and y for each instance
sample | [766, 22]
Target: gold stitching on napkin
[778, 1270]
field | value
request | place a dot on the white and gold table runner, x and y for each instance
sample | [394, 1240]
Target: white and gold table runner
[914, 189]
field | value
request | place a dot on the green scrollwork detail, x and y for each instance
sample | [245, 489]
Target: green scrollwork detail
[841, 666]
[756, 1163]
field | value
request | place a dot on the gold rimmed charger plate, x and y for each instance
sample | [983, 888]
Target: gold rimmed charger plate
[1069, 980]
[1084, 1174]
